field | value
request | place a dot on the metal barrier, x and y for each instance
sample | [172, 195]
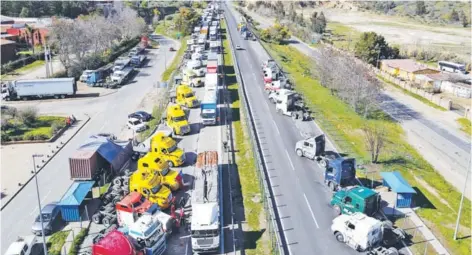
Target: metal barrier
[275, 230]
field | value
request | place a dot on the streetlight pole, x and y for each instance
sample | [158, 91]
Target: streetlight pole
[462, 200]
[39, 203]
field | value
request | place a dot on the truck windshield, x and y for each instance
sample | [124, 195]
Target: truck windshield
[190, 94]
[178, 119]
[208, 115]
[140, 202]
[172, 148]
[165, 171]
[205, 233]
[46, 217]
[156, 189]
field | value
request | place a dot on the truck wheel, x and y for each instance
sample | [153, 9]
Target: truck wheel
[170, 163]
[126, 182]
[106, 221]
[63, 96]
[332, 186]
[339, 236]
[97, 218]
[192, 85]
[299, 153]
[337, 209]
[323, 163]
[392, 251]
[117, 181]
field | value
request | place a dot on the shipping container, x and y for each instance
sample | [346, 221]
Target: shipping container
[83, 165]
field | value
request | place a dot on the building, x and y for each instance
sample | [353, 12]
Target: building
[405, 69]
[38, 37]
[456, 84]
[8, 51]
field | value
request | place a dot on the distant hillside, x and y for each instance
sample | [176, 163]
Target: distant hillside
[439, 12]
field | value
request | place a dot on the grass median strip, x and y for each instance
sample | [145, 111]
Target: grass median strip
[409, 93]
[255, 241]
[56, 241]
[437, 199]
[465, 125]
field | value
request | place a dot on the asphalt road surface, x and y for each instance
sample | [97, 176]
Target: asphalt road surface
[108, 114]
[301, 196]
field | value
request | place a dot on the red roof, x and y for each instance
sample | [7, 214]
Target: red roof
[135, 197]
[113, 243]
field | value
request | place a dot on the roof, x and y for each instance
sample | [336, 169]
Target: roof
[131, 198]
[205, 215]
[6, 42]
[453, 77]
[112, 151]
[362, 192]
[408, 65]
[115, 242]
[397, 183]
[76, 193]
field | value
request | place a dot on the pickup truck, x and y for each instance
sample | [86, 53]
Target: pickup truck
[27, 245]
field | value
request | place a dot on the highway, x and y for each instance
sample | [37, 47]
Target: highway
[301, 196]
[108, 114]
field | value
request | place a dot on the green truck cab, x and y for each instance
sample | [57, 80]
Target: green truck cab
[356, 199]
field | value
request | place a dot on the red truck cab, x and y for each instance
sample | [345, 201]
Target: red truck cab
[130, 207]
[113, 243]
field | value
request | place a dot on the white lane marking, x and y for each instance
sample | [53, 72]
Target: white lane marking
[311, 211]
[289, 160]
[42, 203]
[277, 128]
[267, 106]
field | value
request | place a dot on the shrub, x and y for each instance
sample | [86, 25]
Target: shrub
[5, 137]
[38, 134]
[56, 126]
[10, 111]
[28, 116]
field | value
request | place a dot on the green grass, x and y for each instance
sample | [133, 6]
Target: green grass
[465, 125]
[56, 241]
[409, 93]
[104, 188]
[156, 116]
[338, 119]
[41, 129]
[245, 161]
[78, 240]
[177, 60]
[343, 36]
[23, 69]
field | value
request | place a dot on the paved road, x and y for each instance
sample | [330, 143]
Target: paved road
[433, 133]
[108, 115]
[301, 197]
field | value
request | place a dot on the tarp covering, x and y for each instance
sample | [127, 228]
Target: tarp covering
[396, 182]
[114, 152]
[76, 193]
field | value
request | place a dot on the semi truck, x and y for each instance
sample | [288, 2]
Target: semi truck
[138, 60]
[120, 77]
[205, 215]
[130, 208]
[208, 107]
[166, 147]
[121, 63]
[27, 245]
[291, 104]
[151, 186]
[191, 79]
[39, 88]
[339, 171]
[97, 77]
[148, 233]
[212, 66]
[152, 162]
[211, 81]
[176, 119]
[185, 96]
[356, 199]
[115, 242]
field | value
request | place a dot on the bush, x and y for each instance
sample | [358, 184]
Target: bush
[38, 134]
[5, 137]
[56, 126]
[10, 111]
[28, 116]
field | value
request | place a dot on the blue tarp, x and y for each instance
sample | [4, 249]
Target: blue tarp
[116, 153]
[396, 182]
[76, 193]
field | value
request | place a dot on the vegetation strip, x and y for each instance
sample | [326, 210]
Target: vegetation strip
[244, 160]
[56, 241]
[465, 125]
[438, 199]
[409, 93]
[78, 240]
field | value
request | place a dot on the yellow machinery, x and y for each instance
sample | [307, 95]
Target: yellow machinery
[177, 120]
[167, 149]
[186, 97]
[152, 162]
[150, 185]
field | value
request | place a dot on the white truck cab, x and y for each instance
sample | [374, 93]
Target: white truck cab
[24, 246]
[358, 231]
[147, 230]
[205, 227]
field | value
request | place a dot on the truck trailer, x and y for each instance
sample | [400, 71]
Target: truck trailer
[208, 107]
[40, 88]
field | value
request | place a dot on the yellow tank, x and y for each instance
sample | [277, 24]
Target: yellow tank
[167, 149]
[151, 162]
[150, 186]
[177, 120]
[186, 97]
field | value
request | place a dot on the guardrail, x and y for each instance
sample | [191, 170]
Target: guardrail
[275, 230]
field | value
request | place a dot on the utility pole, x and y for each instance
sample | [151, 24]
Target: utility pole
[46, 59]
[462, 201]
[39, 203]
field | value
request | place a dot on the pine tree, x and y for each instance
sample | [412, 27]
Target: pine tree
[454, 16]
[420, 8]
[465, 20]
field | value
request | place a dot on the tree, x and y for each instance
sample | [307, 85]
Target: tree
[279, 9]
[375, 138]
[28, 116]
[465, 20]
[275, 34]
[420, 8]
[292, 15]
[454, 17]
[371, 47]
[24, 12]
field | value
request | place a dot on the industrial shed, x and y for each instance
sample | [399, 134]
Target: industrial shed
[71, 203]
[404, 192]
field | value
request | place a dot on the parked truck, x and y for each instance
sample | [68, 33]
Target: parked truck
[185, 96]
[138, 60]
[130, 208]
[39, 88]
[150, 185]
[291, 104]
[191, 79]
[208, 107]
[339, 171]
[205, 215]
[356, 199]
[121, 63]
[366, 234]
[176, 119]
[27, 245]
[115, 242]
[98, 77]
[211, 81]
[164, 145]
[147, 231]
[153, 162]
[212, 66]
[120, 77]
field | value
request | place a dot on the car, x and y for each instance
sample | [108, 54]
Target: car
[238, 47]
[51, 216]
[136, 124]
[141, 115]
[171, 49]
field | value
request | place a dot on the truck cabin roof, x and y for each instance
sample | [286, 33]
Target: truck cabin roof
[360, 192]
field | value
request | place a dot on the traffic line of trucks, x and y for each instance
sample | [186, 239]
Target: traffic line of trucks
[142, 208]
[361, 223]
[109, 76]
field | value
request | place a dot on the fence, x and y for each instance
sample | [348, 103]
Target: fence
[274, 226]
